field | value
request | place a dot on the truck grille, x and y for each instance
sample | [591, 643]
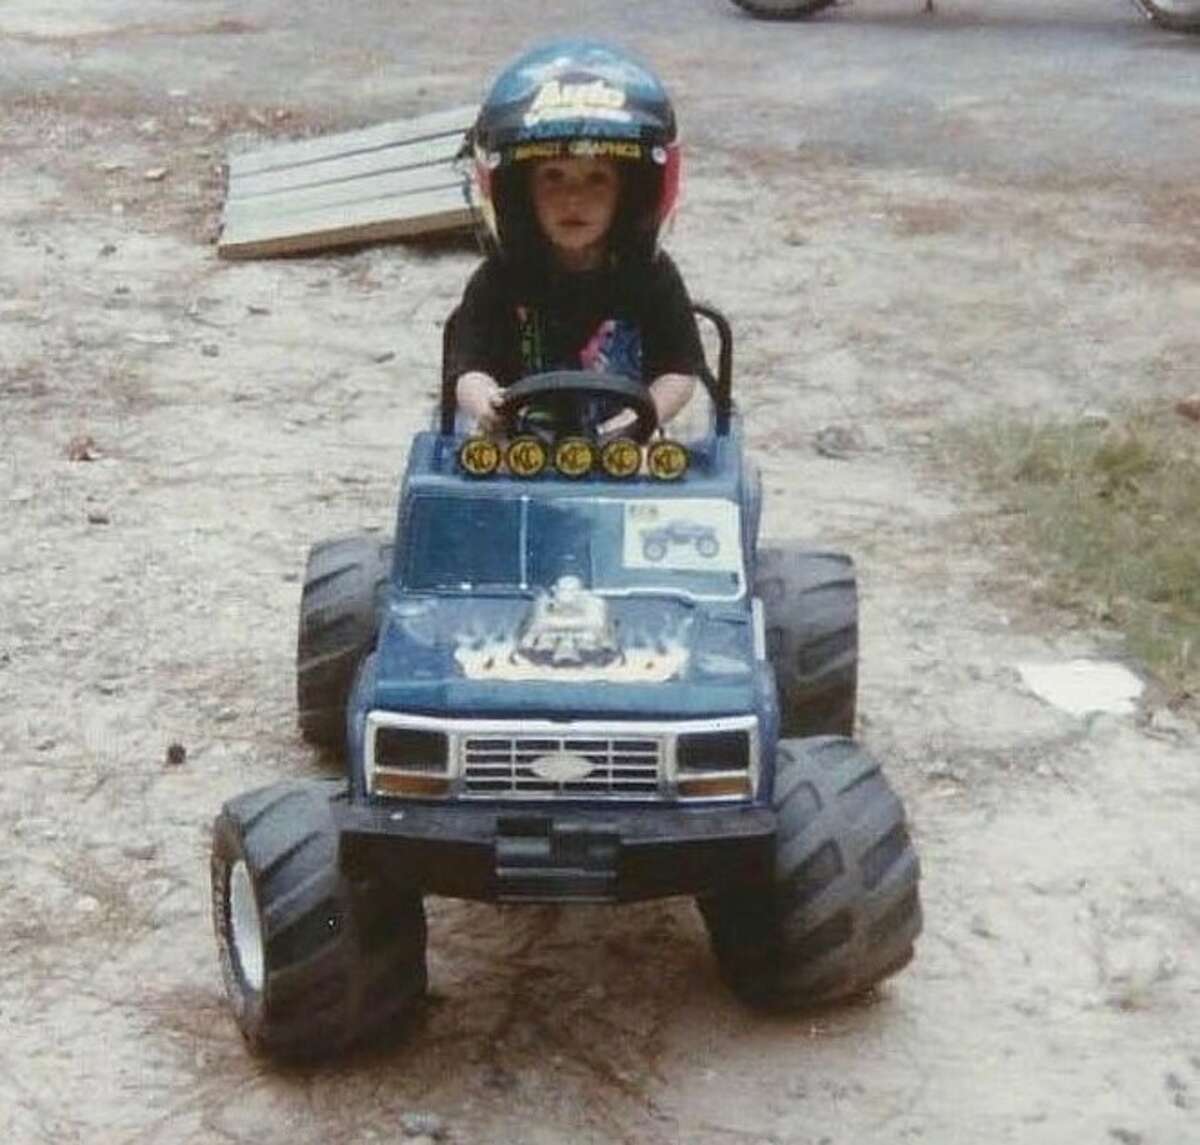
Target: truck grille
[566, 766]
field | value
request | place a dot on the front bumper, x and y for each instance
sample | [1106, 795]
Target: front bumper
[558, 854]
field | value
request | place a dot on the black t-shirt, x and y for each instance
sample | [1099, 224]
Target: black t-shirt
[638, 325]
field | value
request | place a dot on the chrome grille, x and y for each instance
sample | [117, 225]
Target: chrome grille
[621, 766]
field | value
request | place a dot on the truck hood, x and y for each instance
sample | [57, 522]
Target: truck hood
[567, 652]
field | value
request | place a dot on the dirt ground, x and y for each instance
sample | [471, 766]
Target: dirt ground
[910, 220]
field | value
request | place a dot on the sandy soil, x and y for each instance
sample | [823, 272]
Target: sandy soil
[910, 220]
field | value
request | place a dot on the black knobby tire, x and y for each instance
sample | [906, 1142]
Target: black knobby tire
[345, 581]
[844, 909]
[311, 959]
[1178, 17]
[810, 607]
[783, 9]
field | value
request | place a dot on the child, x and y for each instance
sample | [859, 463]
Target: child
[577, 170]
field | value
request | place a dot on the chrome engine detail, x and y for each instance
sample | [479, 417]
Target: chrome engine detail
[568, 626]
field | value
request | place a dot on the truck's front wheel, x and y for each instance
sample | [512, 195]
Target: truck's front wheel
[843, 911]
[311, 959]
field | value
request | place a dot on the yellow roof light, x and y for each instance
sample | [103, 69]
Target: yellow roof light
[667, 460]
[574, 456]
[479, 456]
[526, 456]
[621, 457]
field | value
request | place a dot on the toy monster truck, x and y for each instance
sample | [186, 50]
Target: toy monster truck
[537, 705]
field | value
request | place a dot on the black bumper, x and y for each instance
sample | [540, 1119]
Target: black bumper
[558, 854]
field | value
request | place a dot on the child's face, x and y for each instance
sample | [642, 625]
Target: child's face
[575, 200]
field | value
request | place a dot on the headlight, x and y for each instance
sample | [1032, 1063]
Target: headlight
[406, 761]
[717, 764]
[713, 751]
[411, 749]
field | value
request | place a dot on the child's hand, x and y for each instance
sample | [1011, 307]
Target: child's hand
[479, 397]
[669, 393]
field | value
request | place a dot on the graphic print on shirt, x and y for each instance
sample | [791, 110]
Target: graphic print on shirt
[529, 337]
[615, 348]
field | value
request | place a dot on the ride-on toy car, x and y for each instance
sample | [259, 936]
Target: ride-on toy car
[573, 676]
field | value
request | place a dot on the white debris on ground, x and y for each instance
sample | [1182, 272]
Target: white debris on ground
[1084, 686]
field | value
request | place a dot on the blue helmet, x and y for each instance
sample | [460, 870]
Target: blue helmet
[576, 98]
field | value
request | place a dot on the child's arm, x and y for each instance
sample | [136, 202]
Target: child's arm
[476, 347]
[669, 393]
[672, 354]
[479, 397]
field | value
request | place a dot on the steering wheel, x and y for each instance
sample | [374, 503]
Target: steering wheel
[561, 401]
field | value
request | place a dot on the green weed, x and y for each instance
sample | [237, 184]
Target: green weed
[1110, 518]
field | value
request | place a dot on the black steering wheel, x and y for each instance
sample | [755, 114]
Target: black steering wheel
[565, 401]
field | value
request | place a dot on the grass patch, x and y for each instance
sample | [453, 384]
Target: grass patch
[1110, 517]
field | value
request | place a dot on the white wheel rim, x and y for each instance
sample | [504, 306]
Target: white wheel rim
[245, 926]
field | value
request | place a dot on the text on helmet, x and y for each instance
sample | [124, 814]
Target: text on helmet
[594, 100]
[578, 148]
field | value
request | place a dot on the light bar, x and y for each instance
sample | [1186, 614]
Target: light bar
[573, 457]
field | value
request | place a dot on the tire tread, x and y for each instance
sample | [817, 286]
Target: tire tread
[340, 607]
[843, 911]
[342, 958]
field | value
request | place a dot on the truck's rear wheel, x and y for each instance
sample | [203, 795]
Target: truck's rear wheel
[810, 606]
[783, 9]
[344, 585]
[843, 911]
[311, 959]
[1177, 15]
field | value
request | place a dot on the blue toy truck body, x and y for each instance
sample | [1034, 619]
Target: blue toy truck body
[550, 713]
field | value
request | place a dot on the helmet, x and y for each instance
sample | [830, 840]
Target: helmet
[576, 98]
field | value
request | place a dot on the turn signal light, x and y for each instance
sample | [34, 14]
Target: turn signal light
[715, 787]
[389, 783]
